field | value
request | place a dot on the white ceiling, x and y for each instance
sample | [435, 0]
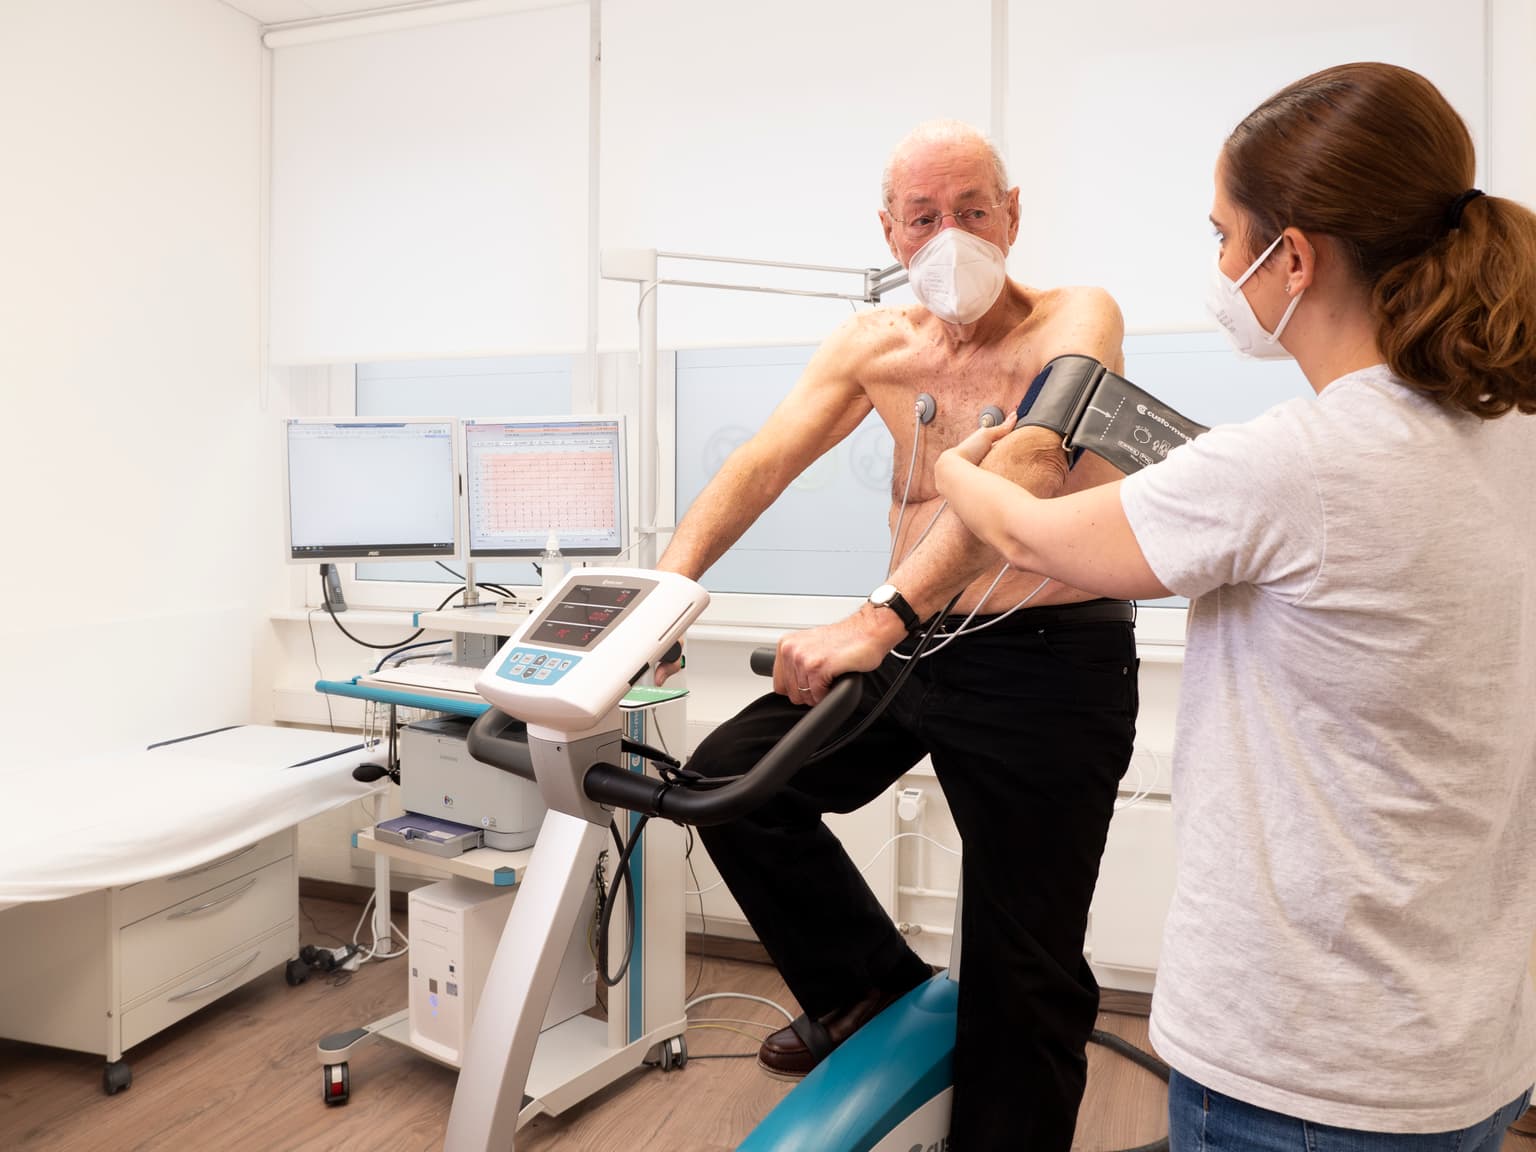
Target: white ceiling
[284, 11]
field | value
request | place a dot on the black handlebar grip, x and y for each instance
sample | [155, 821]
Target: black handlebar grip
[761, 660]
[502, 742]
[499, 740]
[632, 791]
[770, 774]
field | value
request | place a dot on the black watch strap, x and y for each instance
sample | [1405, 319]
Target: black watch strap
[886, 596]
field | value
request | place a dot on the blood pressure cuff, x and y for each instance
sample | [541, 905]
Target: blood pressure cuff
[1097, 411]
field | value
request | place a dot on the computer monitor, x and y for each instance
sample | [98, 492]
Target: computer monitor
[373, 489]
[524, 479]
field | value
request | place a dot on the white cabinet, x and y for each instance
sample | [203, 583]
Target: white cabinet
[1125, 929]
[102, 971]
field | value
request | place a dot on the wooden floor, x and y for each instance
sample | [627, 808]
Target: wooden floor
[242, 1076]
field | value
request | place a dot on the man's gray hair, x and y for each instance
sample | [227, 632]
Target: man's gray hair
[942, 132]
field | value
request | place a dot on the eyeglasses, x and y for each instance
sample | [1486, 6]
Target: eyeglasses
[927, 223]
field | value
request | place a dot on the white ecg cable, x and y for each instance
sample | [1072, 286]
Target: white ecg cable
[965, 629]
[917, 431]
[924, 534]
[891, 562]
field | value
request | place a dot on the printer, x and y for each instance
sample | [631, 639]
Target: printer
[440, 779]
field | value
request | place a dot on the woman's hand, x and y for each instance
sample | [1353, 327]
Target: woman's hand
[974, 448]
[950, 468]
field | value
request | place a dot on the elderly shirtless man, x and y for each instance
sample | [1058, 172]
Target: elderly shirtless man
[1028, 712]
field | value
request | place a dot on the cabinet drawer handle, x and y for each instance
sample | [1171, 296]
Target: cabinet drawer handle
[216, 863]
[249, 960]
[225, 899]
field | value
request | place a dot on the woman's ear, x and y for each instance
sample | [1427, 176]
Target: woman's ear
[1301, 262]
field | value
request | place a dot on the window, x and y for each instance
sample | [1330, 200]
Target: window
[826, 535]
[1198, 374]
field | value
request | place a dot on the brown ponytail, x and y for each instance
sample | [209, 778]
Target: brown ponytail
[1373, 156]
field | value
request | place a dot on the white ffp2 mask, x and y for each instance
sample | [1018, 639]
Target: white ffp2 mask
[1230, 308]
[957, 276]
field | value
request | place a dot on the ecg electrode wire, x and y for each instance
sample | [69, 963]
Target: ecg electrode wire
[890, 563]
[689, 780]
[965, 630]
[923, 535]
[917, 431]
[890, 693]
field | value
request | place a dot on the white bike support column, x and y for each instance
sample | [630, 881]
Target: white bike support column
[518, 987]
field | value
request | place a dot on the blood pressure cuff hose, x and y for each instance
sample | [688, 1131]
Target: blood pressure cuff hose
[1097, 411]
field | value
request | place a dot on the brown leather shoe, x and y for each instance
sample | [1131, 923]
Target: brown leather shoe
[1526, 1125]
[792, 1052]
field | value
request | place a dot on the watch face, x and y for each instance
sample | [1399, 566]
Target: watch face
[887, 596]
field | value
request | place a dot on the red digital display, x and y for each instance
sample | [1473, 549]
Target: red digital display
[583, 614]
[568, 635]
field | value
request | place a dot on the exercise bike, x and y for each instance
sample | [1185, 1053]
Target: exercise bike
[556, 686]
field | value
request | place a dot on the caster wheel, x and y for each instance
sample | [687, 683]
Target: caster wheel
[337, 1088]
[674, 1054]
[296, 973]
[115, 1077]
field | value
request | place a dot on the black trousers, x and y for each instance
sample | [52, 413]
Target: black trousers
[1030, 725]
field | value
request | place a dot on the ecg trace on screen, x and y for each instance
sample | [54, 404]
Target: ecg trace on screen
[567, 490]
[526, 481]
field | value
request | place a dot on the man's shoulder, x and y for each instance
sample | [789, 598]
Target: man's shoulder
[1078, 318]
[863, 346]
[1081, 300]
[876, 330]
[897, 320]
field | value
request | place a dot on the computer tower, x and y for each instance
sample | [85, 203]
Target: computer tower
[455, 926]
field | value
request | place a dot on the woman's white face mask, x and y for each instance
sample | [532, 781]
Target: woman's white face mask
[1230, 308]
[957, 276]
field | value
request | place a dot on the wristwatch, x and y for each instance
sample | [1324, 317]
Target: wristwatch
[886, 596]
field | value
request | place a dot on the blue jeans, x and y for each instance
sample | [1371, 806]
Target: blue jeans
[1200, 1120]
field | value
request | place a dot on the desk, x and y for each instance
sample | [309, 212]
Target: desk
[147, 883]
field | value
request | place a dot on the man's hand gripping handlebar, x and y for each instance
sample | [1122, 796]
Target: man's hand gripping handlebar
[501, 741]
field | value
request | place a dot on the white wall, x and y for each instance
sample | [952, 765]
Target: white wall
[429, 190]
[140, 537]
[411, 165]
[1137, 99]
[760, 131]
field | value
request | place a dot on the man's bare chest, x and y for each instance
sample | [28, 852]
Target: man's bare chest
[955, 391]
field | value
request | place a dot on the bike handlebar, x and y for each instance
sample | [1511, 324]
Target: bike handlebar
[502, 742]
[493, 740]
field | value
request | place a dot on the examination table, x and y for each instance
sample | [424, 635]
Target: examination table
[139, 886]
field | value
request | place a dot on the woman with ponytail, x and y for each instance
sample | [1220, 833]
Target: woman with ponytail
[1354, 795]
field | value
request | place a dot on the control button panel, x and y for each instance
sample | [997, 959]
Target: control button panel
[536, 665]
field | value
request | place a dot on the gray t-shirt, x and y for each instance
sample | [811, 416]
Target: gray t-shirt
[1354, 785]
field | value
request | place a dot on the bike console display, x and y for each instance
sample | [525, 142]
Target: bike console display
[566, 669]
